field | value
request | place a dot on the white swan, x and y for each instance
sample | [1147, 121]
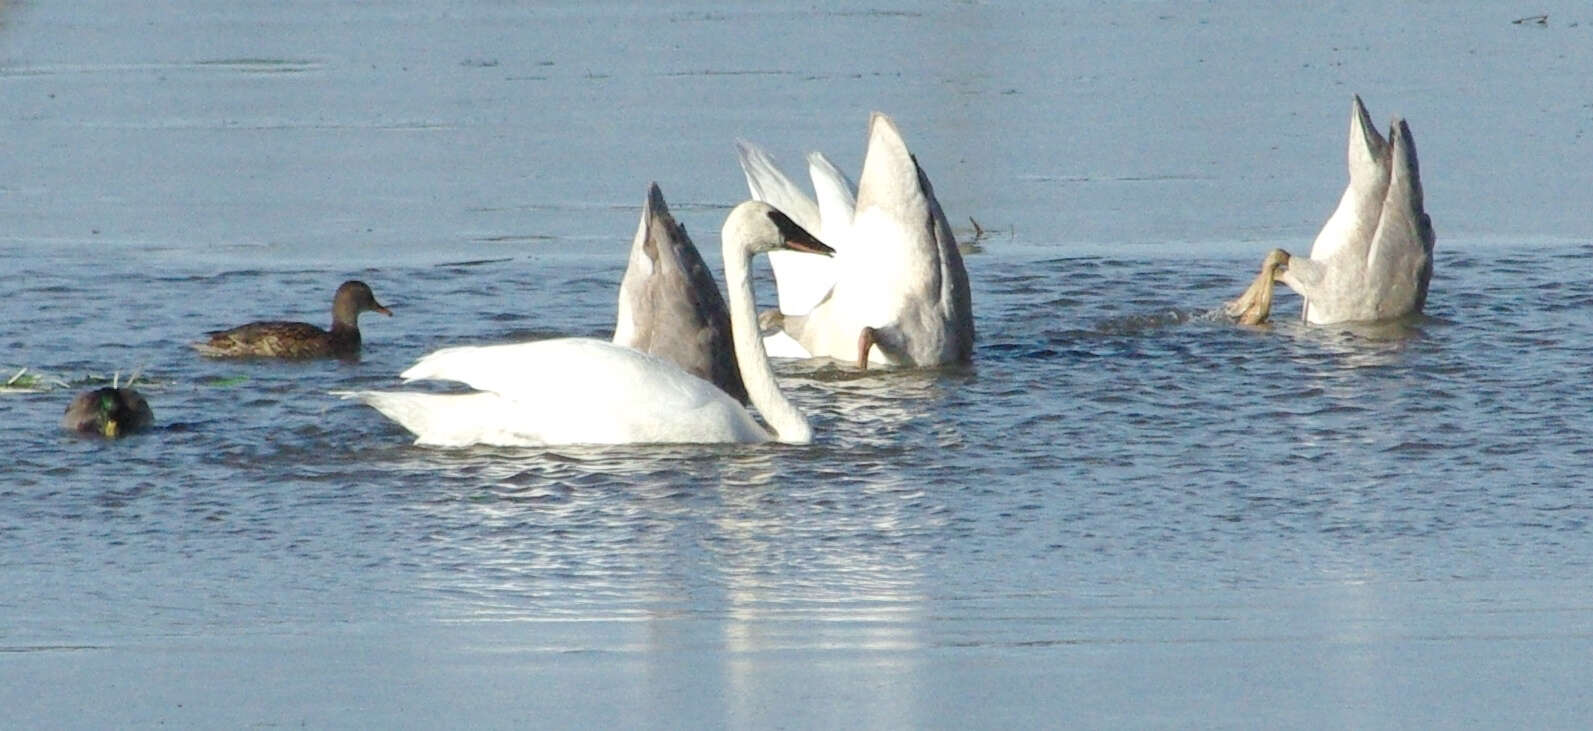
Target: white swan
[669, 304]
[896, 292]
[584, 391]
[1373, 258]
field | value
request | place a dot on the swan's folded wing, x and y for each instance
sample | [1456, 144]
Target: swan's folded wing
[528, 370]
[582, 391]
[956, 297]
[1400, 263]
[453, 419]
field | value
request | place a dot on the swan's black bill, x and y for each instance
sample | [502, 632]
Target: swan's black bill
[798, 238]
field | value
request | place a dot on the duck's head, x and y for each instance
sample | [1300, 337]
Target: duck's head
[354, 297]
[108, 412]
[755, 227]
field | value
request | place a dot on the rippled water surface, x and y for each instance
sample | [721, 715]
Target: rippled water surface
[1127, 512]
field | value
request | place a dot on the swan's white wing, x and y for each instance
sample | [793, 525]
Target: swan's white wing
[837, 198]
[669, 304]
[768, 183]
[801, 280]
[572, 391]
[1400, 262]
[453, 419]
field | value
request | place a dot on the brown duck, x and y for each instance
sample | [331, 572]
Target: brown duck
[299, 340]
[108, 412]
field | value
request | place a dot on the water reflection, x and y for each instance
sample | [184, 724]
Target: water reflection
[722, 565]
[799, 580]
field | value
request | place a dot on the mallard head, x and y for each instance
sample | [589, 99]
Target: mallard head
[108, 412]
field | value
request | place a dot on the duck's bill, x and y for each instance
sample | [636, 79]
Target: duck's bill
[110, 429]
[382, 310]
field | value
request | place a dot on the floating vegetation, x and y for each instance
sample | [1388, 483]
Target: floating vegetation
[25, 382]
[30, 380]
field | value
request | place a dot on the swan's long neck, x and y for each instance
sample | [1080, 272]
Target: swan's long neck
[785, 420]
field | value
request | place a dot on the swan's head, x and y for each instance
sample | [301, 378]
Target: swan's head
[755, 227]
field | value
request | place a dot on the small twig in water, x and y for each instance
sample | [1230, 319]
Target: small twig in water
[17, 376]
[1534, 19]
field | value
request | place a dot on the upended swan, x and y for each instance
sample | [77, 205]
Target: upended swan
[586, 391]
[896, 292]
[1373, 258]
[669, 304]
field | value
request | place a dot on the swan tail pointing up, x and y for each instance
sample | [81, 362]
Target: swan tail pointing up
[927, 296]
[669, 304]
[1349, 229]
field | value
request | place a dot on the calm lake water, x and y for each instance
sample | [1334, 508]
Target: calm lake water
[1126, 513]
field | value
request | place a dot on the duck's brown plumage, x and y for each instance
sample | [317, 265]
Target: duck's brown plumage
[279, 339]
[108, 412]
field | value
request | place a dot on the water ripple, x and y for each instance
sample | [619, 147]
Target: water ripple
[1111, 432]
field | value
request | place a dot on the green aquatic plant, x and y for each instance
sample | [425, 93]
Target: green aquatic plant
[24, 381]
[27, 379]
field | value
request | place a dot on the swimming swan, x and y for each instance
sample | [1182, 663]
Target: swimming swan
[585, 391]
[896, 292]
[1374, 257]
[669, 304]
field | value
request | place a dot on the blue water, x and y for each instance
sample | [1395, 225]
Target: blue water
[1127, 512]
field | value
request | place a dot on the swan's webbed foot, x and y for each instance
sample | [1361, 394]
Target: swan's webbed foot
[1255, 305]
